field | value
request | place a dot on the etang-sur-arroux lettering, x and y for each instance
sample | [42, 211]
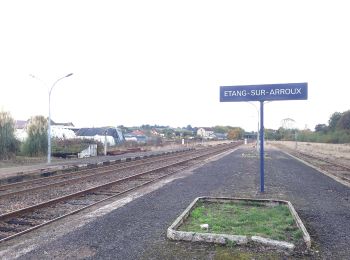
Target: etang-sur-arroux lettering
[262, 92]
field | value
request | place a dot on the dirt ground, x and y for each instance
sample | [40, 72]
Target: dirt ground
[336, 152]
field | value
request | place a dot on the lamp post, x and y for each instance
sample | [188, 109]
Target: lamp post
[49, 123]
[49, 120]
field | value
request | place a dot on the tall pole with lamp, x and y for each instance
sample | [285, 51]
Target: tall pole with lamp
[49, 119]
[49, 123]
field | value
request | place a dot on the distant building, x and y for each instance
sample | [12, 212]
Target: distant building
[20, 124]
[136, 136]
[67, 125]
[206, 132]
[154, 132]
[220, 136]
[20, 130]
[62, 132]
[58, 130]
[113, 135]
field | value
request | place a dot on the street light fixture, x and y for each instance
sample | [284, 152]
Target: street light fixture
[49, 125]
[49, 120]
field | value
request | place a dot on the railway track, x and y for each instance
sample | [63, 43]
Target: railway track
[28, 195]
[27, 218]
[31, 185]
[329, 167]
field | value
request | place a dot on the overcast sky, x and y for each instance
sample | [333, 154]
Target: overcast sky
[163, 62]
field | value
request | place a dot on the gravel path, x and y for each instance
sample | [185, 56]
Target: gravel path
[138, 230]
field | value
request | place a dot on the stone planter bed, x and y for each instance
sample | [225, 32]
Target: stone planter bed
[174, 232]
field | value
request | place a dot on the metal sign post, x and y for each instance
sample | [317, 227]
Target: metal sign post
[261, 93]
[262, 174]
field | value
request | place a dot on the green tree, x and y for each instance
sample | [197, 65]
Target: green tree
[281, 133]
[321, 128]
[189, 128]
[168, 133]
[221, 129]
[8, 143]
[344, 121]
[271, 134]
[333, 120]
[36, 143]
[235, 133]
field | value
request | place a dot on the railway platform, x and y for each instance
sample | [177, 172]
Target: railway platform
[134, 226]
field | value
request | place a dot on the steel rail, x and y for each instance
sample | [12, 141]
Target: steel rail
[57, 200]
[336, 173]
[98, 174]
[16, 200]
[119, 163]
[95, 172]
[325, 160]
[88, 206]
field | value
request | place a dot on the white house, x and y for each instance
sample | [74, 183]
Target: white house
[20, 130]
[62, 132]
[206, 132]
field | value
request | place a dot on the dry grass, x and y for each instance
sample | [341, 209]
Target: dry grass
[337, 152]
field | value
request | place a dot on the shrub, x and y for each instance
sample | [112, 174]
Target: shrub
[9, 145]
[36, 143]
[74, 146]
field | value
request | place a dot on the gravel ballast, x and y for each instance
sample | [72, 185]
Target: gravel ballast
[138, 229]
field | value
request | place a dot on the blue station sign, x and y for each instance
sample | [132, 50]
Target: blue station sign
[288, 91]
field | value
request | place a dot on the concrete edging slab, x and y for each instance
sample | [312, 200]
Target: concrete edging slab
[174, 234]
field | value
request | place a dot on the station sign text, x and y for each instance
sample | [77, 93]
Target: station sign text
[288, 91]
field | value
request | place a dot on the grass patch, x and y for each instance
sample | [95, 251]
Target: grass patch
[244, 218]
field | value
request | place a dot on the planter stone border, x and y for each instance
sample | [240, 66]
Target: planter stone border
[174, 234]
